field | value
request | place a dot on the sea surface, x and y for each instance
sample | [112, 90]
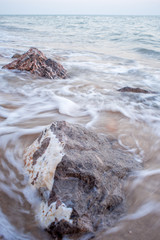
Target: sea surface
[101, 54]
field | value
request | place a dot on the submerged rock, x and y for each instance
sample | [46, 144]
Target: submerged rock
[80, 176]
[36, 62]
[134, 90]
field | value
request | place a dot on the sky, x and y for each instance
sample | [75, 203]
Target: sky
[84, 7]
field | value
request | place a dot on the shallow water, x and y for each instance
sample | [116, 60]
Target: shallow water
[101, 54]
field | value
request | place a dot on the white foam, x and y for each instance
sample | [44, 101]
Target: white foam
[31, 195]
[137, 157]
[67, 107]
[144, 210]
[147, 173]
[9, 191]
[8, 231]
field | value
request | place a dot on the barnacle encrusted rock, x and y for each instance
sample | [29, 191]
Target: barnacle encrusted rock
[37, 63]
[82, 173]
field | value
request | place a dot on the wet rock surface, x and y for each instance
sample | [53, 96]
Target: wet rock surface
[134, 90]
[88, 181]
[37, 63]
[16, 55]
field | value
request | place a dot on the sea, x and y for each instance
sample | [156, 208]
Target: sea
[101, 54]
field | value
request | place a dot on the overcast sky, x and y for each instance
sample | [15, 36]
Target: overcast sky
[109, 7]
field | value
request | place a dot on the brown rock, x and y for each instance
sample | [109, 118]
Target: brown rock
[36, 62]
[88, 179]
[134, 90]
[16, 55]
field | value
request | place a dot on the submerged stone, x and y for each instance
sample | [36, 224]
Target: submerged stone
[83, 176]
[134, 90]
[37, 63]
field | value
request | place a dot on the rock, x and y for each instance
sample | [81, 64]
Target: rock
[134, 90]
[82, 176]
[16, 55]
[36, 62]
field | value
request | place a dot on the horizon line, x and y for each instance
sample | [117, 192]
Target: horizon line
[60, 14]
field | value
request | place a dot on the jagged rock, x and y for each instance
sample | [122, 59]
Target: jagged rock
[82, 175]
[36, 62]
[16, 55]
[134, 90]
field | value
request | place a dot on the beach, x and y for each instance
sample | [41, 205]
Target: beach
[101, 54]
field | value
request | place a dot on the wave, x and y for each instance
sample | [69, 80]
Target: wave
[13, 28]
[148, 52]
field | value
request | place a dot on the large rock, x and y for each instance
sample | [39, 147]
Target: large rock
[80, 176]
[37, 63]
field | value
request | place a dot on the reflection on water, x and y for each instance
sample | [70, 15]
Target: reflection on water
[89, 97]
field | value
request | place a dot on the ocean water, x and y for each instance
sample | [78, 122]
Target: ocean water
[101, 54]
